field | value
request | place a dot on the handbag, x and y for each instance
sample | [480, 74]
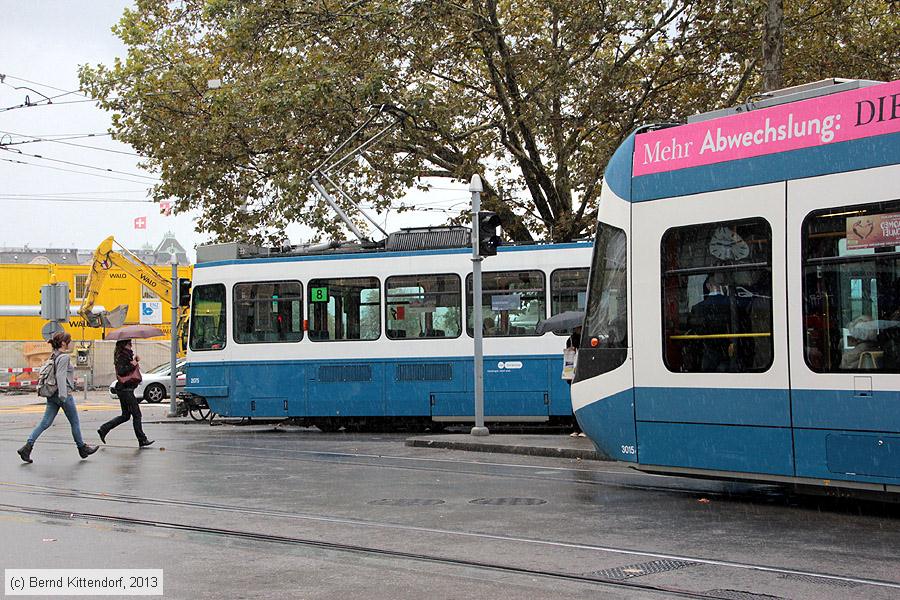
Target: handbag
[132, 378]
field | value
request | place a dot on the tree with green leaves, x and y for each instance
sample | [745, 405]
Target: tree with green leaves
[533, 95]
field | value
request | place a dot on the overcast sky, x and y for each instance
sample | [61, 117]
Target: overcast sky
[48, 203]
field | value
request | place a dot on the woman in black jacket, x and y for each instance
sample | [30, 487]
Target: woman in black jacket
[126, 362]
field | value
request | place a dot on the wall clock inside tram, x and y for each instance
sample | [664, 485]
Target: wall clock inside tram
[726, 244]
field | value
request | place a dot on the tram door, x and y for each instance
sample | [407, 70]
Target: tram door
[844, 291]
[710, 351]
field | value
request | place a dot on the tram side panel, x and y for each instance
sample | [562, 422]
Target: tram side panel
[845, 305]
[706, 398]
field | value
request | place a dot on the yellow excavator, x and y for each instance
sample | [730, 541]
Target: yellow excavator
[105, 258]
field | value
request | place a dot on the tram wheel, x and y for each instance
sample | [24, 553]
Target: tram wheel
[200, 414]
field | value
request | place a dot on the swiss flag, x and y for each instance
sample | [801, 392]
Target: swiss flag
[140, 223]
[165, 207]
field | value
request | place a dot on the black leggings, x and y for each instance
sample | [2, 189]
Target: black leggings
[130, 409]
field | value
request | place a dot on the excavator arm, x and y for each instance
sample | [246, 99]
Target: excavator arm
[105, 258]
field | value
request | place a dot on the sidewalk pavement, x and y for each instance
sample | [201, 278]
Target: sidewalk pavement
[556, 446]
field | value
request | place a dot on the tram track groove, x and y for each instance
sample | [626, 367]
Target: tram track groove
[131, 499]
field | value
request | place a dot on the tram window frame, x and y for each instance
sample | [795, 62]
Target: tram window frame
[553, 275]
[195, 320]
[470, 294]
[718, 347]
[320, 282]
[865, 280]
[389, 332]
[236, 317]
[604, 339]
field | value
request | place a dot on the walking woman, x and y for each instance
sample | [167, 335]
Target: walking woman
[65, 381]
[128, 374]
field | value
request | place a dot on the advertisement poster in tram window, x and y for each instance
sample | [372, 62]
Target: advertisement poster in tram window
[873, 231]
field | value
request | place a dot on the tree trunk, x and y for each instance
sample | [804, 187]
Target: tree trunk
[773, 47]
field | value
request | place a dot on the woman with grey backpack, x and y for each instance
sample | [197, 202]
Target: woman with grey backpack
[64, 373]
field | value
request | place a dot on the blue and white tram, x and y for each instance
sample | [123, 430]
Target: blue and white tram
[343, 338]
[743, 314]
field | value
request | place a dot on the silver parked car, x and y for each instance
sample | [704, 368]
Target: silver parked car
[155, 384]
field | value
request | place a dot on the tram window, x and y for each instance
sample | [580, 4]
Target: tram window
[423, 306]
[717, 297]
[851, 288]
[568, 290]
[344, 309]
[208, 317]
[268, 311]
[512, 303]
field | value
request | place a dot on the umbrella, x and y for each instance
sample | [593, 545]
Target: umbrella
[562, 323]
[134, 332]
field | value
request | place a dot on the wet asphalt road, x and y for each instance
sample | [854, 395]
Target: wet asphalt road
[258, 512]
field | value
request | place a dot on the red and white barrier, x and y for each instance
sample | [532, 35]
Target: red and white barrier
[21, 370]
[17, 384]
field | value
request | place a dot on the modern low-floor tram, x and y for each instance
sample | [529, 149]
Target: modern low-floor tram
[337, 338]
[743, 314]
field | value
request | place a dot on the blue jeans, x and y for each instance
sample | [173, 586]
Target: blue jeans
[50, 414]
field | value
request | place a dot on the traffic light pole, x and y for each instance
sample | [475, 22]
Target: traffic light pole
[173, 355]
[477, 321]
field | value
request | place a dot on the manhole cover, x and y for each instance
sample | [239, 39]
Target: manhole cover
[406, 502]
[508, 501]
[641, 569]
[740, 595]
[820, 580]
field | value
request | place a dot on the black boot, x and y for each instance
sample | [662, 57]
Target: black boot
[85, 451]
[145, 442]
[25, 452]
[102, 435]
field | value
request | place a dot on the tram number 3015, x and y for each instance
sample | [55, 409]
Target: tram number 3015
[628, 450]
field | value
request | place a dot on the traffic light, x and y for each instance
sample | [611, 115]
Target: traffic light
[488, 240]
[55, 301]
[184, 292]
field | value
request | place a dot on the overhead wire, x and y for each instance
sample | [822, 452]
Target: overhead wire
[65, 93]
[75, 164]
[88, 200]
[40, 140]
[22, 162]
[39, 104]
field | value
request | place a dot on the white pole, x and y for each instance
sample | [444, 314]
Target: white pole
[477, 324]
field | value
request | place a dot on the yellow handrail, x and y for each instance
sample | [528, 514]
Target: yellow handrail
[719, 336]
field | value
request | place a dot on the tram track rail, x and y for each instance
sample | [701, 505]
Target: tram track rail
[260, 537]
[56, 492]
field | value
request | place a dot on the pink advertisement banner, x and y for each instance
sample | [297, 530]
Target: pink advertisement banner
[820, 121]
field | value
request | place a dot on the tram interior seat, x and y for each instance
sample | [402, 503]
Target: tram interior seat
[396, 333]
[434, 333]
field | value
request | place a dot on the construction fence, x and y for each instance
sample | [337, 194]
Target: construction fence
[20, 362]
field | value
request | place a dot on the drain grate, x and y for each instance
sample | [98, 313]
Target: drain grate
[641, 569]
[508, 501]
[740, 595]
[406, 502]
[820, 580]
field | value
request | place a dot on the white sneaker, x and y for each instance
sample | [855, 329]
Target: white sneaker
[573, 434]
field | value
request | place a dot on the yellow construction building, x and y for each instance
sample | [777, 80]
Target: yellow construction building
[20, 284]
